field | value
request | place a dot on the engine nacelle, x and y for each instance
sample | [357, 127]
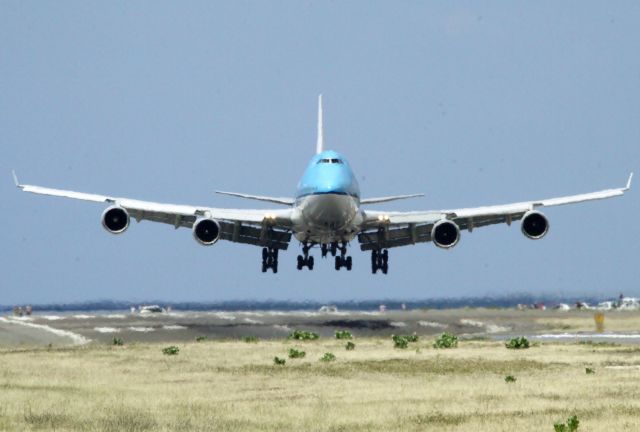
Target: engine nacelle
[534, 225]
[445, 234]
[115, 219]
[206, 231]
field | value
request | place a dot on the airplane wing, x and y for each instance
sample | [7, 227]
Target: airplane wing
[393, 229]
[257, 227]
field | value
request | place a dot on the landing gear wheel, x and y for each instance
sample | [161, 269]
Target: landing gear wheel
[338, 263]
[334, 248]
[310, 263]
[349, 262]
[300, 262]
[385, 268]
[269, 259]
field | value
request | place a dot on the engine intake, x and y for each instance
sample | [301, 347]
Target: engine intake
[115, 220]
[534, 225]
[445, 234]
[206, 231]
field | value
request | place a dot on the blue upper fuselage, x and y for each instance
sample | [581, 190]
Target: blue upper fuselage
[328, 173]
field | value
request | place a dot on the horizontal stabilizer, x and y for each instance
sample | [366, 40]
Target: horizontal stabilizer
[276, 200]
[388, 198]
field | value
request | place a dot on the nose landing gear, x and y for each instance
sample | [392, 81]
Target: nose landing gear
[379, 261]
[269, 259]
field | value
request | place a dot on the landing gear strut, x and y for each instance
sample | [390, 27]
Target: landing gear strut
[306, 260]
[269, 259]
[379, 261]
[342, 260]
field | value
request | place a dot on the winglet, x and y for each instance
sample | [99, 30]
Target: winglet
[15, 179]
[320, 143]
[629, 182]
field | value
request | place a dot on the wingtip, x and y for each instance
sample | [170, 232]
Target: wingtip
[15, 178]
[629, 182]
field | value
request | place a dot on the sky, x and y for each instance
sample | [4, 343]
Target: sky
[470, 103]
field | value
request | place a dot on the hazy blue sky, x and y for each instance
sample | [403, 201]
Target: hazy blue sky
[470, 103]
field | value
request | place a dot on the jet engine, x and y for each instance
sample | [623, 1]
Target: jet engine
[445, 234]
[115, 219]
[206, 231]
[534, 225]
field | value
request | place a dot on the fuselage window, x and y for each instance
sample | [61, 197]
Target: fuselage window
[332, 161]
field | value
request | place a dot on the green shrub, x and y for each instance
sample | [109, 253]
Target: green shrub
[171, 350]
[518, 343]
[201, 338]
[412, 338]
[571, 425]
[251, 339]
[117, 341]
[590, 371]
[278, 361]
[328, 357]
[446, 340]
[303, 335]
[343, 334]
[294, 353]
[350, 346]
[400, 341]
[510, 379]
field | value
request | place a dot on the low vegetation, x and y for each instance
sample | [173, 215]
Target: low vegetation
[518, 343]
[117, 341]
[343, 334]
[446, 340]
[402, 341]
[328, 357]
[201, 338]
[296, 354]
[570, 426]
[251, 339]
[303, 335]
[589, 371]
[350, 346]
[510, 379]
[171, 350]
[279, 361]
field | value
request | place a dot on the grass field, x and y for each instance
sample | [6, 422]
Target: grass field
[235, 386]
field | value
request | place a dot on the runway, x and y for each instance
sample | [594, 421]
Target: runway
[62, 329]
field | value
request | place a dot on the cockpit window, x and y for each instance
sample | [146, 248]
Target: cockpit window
[332, 161]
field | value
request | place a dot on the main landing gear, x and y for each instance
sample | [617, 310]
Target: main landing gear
[379, 261]
[269, 259]
[306, 261]
[342, 260]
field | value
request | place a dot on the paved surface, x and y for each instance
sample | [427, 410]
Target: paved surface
[59, 329]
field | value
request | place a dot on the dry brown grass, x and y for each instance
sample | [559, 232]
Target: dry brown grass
[234, 386]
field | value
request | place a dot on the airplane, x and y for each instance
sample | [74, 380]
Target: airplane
[327, 212]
